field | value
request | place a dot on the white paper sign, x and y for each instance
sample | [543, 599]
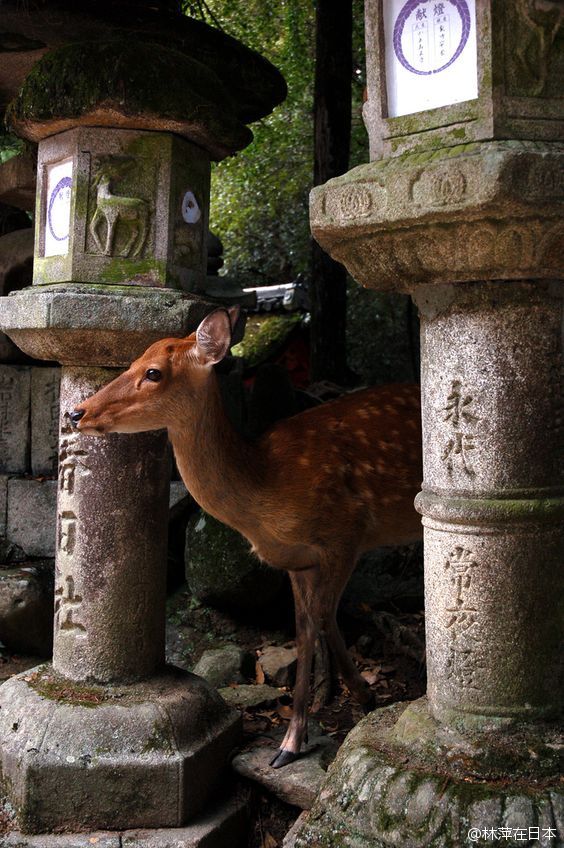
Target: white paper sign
[431, 54]
[57, 212]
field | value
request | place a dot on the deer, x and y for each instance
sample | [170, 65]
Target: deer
[310, 494]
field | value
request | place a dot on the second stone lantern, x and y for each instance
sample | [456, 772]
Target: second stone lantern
[461, 206]
[108, 738]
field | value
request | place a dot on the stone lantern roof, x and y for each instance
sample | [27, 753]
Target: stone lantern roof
[105, 64]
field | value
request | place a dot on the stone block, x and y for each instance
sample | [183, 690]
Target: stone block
[45, 386]
[250, 695]
[26, 609]
[224, 825]
[15, 839]
[298, 783]
[475, 212]
[14, 418]
[279, 665]
[221, 666]
[81, 757]
[32, 516]
[97, 325]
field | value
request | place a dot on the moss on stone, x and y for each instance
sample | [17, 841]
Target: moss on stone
[263, 335]
[159, 740]
[132, 78]
[55, 688]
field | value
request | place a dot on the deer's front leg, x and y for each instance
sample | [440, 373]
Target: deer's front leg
[307, 627]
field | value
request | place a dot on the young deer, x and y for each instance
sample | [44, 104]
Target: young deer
[311, 494]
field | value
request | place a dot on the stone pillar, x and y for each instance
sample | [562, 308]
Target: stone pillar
[108, 737]
[492, 500]
[111, 545]
[465, 214]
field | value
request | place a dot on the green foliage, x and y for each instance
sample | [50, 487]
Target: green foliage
[259, 202]
[10, 146]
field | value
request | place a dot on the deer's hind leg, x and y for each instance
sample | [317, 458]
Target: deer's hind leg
[340, 572]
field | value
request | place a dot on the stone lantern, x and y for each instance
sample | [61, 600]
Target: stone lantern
[108, 738]
[461, 206]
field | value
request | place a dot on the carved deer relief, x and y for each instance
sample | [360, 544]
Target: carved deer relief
[116, 209]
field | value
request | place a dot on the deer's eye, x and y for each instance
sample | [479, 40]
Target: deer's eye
[153, 374]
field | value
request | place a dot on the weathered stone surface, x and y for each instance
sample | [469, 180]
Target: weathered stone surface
[45, 384]
[197, 108]
[115, 757]
[222, 572]
[250, 695]
[515, 98]
[32, 516]
[3, 503]
[178, 491]
[401, 779]
[289, 840]
[17, 182]
[112, 490]
[297, 783]
[220, 666]
[491, 500]
[97, 325]
[15, 383]
[279, 665]
[123, 227]
[26, 609]
[473, 212]
[224, 825]
[61, 840]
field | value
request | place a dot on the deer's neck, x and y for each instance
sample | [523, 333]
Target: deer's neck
[221, 470]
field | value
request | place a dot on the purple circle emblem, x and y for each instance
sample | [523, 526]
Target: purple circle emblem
[60, 192]
[430, 33]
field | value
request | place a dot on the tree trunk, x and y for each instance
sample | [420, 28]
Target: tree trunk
[332, 133]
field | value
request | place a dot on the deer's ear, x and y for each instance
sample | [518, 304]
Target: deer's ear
[213, 337]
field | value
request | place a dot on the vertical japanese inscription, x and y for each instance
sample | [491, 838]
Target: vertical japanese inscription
[457, 453]
[462, 619]
[73, 463]
[6, 400]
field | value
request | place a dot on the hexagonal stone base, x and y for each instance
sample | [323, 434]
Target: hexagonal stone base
[76, 757]
[223, 826]
[402, 779]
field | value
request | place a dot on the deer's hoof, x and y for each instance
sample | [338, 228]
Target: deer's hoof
[283, 758]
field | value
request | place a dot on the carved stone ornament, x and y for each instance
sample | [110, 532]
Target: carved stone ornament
[480, 212]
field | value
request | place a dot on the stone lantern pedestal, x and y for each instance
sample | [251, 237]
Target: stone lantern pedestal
[108, 738]
[470, 224]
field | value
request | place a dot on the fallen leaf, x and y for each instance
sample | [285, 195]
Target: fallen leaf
[259, 673]
[285, 711]
[269, 841]
[370, 675]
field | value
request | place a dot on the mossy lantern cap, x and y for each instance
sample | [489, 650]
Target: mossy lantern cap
[130, 85]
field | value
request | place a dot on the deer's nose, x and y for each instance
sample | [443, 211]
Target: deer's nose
[76, 416]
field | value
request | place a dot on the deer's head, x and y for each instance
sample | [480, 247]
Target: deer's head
[152, 393]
